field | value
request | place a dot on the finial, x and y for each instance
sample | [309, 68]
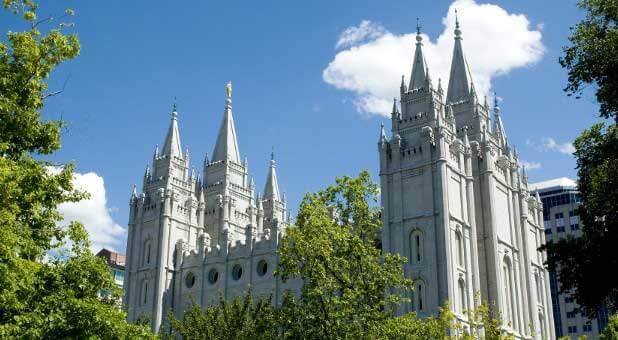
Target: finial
[418, 31]
[403, 84]
[228, 89]
[457, 29]
[174, 112]
[496, 106]
[134, 192]
[156, 151]
[272, 156]
[394, 105]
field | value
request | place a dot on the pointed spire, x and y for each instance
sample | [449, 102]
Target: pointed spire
[147, 172]
[251, 183]
[271, 189]
[382, 133]
[440, 90]
[171, 147]
[394, 112]
[155, 154]
[134, 192]
[226, 146]
[498, 126]
[206, 161]
[419, 66]
[403, 87]
[201, 196]
[460, 79]
[466, 140]
[496, 105]
[259, 201]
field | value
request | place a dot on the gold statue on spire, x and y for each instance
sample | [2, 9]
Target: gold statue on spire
[228, 89]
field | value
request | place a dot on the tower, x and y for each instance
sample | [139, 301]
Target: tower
[195, 239]
[455, 205]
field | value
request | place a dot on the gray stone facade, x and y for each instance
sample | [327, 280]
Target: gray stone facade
[456, 205]
[199, 239]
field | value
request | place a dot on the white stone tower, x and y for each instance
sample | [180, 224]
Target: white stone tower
[193, 240]
[456, 206]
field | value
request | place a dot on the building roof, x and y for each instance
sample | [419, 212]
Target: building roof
[562, 182]
[113, 259]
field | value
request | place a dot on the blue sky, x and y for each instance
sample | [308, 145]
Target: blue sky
[138, 55]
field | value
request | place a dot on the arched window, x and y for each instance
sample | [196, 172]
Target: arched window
[460, 248]
[463, 297]
[509, 293]
[416, 247]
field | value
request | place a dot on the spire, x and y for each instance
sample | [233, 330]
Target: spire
[271, 189]
[394, 112]
[498, 126]
[382, 134]
[171, 147]
[460, 79]
[226, 146]
[134, 192]
[403, 87]
[419, 66]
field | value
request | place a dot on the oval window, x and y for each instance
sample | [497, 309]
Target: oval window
[262, 268]
[190, 279]
[213, 276]
[236, 272]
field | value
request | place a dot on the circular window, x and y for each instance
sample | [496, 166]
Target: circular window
[262, 268]
[189, 279]
[213, 276]
[236, 272]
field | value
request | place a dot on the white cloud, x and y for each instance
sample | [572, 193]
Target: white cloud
[94, 213]
[531, 165]
[356, 34]
[495, 42]
[550, 144]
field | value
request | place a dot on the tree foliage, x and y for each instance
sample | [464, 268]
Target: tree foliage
[591, 57]
[349, 286]
[581, 263]
[49, 279]
[243, 318]
[611, 331]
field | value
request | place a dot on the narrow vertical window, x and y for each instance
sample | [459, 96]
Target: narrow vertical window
[418, 247]
[420, 297]
[460, 251]
[147, 253]
[463, 301]
[145, 292]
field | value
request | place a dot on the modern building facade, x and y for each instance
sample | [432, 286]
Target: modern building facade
[560, 200]
[116, 264]
[456, 205]
[195, 238]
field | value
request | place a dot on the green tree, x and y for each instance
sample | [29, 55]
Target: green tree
[591, 57]
[350, 288]
[581, 263]
[49, 279]
[611, 331]
[243, 318]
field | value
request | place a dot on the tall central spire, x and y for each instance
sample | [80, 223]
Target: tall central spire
[171, 147]
[419, 66]
[460, 80]
[226, 147]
